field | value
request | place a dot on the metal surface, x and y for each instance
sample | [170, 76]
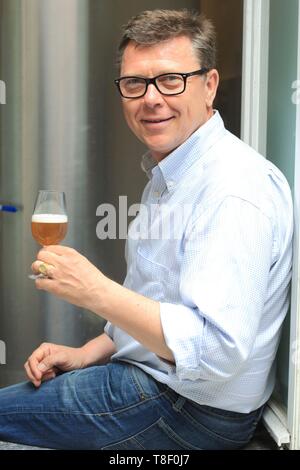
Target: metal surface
[44, 130]
[61, 128]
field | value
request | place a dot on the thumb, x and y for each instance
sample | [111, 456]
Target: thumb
[47, 363]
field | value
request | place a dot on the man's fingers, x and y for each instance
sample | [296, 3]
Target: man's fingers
[32, 367]
[48, 257]
[45, 367]
[39, 267]
[35, 267]
[29, 373]
[35, 378]
[58, 250]
[45, 284]
[45, 262]
[32, 377]
[36, 357]
[49, 363]
[49, 375]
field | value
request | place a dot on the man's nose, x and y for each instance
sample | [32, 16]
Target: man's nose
[152, 96]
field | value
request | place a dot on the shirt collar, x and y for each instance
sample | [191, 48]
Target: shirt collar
[147, 163]
[177, 162]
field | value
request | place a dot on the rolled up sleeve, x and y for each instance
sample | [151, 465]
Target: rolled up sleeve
[108, 329]
[228, 253]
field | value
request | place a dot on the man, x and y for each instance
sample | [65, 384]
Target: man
[188, 350]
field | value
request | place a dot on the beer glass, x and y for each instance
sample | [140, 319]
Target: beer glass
[49, 222]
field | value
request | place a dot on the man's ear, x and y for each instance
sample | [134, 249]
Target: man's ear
[211, 84]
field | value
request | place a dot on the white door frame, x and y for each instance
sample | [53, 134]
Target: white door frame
[255, 74]
[283, 425]
[294, 366]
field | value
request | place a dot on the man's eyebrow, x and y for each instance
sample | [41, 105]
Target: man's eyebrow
[141, 75]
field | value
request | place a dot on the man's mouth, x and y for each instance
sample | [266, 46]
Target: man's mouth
[156, 121]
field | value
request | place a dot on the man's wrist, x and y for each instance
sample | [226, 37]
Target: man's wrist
[97, 298]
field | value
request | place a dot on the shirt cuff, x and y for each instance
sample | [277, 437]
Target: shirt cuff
[183, 333]
[108, 329]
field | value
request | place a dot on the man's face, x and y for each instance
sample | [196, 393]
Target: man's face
[176, 117]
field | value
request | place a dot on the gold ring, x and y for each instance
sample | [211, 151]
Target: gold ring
[43, 269]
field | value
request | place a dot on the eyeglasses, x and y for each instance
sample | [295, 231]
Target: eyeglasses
[167, 84]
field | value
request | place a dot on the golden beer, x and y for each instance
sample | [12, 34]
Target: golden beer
[49, 229]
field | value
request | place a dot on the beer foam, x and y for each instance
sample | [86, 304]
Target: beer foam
[50, 218]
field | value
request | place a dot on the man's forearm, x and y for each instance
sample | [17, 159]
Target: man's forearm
[133, 313]
[99, 350]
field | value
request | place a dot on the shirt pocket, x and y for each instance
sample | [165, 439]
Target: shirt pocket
[154, 278]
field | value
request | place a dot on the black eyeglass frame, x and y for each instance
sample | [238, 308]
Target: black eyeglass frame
[152, 81]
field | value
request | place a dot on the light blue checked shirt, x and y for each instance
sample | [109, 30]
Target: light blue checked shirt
[220, 268]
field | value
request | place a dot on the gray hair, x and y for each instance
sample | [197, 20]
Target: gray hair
[154, 26]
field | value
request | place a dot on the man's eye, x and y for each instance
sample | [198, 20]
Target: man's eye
[173, 77]
[170, 80]
[133, 82]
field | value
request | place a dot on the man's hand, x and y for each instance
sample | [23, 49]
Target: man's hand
[72, 276]
[74, 279]
[48, 359]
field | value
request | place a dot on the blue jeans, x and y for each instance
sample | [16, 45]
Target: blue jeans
[116, 406]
